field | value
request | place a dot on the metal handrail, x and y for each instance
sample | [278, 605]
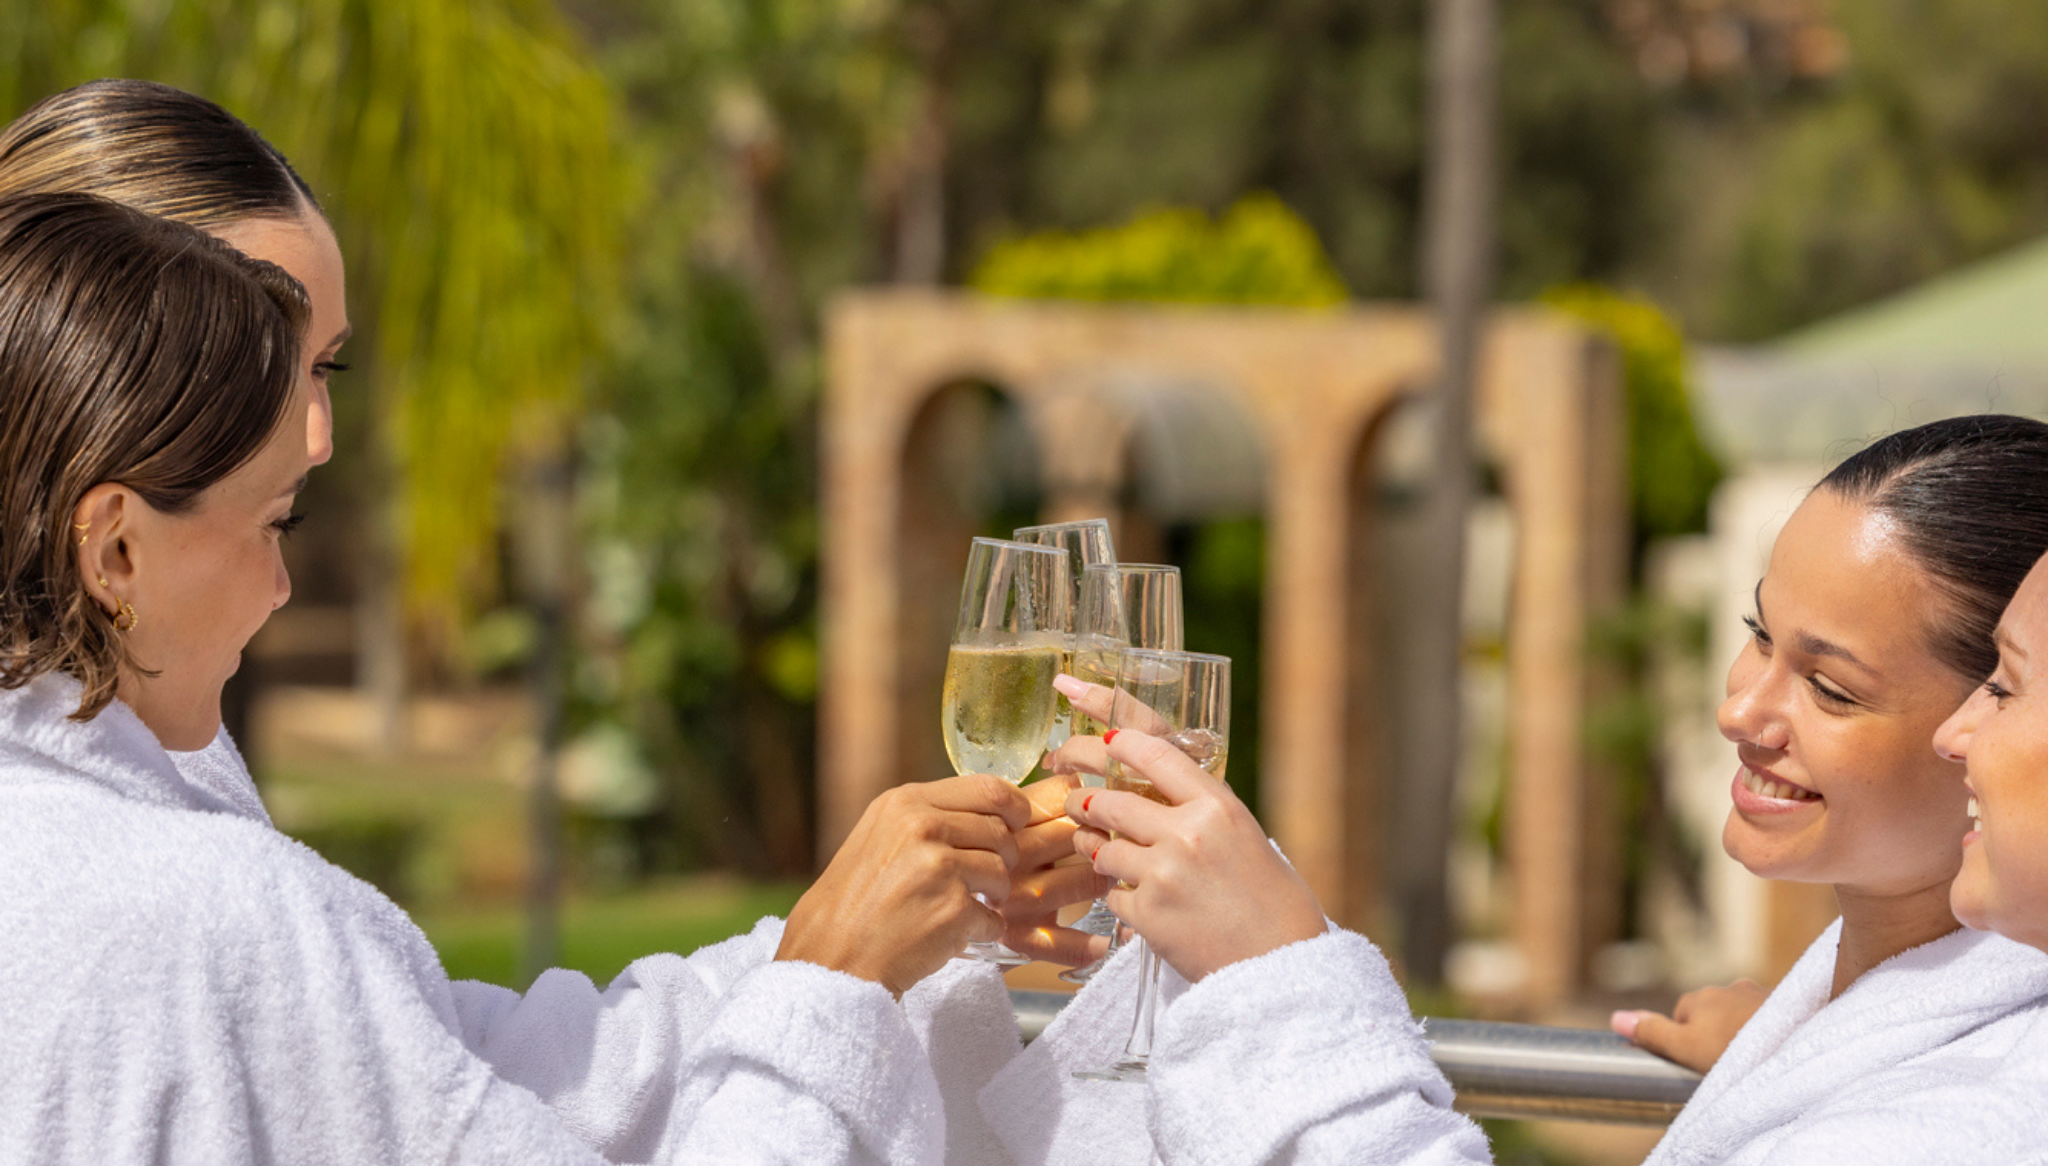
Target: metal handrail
[1514, 1070]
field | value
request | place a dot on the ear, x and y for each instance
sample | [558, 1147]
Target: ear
[103, 529]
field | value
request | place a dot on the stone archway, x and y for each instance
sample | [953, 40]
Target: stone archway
[1309, 382]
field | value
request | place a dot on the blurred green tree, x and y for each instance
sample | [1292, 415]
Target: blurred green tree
[1926, 152]
[797, 146]
[1258, 253]
[468, 155]
[1671, 471]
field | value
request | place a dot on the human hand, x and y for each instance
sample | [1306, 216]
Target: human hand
[896, 902]
[1047, 877]
[1699, 1029]
[1110, 706]
[1199, 880]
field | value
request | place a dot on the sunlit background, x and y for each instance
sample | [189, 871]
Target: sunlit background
[573, 535]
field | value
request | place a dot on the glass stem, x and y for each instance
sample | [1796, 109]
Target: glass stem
[1139, 1047]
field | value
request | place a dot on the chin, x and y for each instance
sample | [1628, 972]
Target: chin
[1972, 896]
[1743, 843]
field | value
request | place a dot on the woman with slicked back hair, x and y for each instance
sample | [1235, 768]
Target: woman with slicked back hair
[1873, 622]
[181, 157]
[182, 983]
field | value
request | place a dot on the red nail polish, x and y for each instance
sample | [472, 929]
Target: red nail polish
[1109, 736]
[1085, 801]
[1094, 852]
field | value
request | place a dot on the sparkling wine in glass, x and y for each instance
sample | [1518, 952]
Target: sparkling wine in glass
[1087, 544]
[1185, 697]
[1008, 644]
[1130, 605]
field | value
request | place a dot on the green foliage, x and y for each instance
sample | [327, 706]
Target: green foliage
[1260, 252]
[1926, 154]
[466, 152]
[1672, 473]
[378, 850]
[700, 493]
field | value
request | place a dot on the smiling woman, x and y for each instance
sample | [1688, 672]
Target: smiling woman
[1873, 622]
[2001, 737]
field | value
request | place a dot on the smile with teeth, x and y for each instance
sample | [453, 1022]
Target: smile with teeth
[1757, 783]
[1976, 817]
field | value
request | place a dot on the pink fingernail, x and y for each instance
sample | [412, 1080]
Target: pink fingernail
[1070, 687]
[1625, 1023]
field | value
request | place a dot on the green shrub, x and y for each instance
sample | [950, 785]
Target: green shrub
[1260, 252]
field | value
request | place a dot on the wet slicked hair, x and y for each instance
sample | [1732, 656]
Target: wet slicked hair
[1969, 498]
[155, 148]
[134, 350]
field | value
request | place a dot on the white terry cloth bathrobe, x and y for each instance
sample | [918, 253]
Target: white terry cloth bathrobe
[179, 982]
[1309, 1055]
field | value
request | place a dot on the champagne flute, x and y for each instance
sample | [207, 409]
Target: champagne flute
[1087, 544]
[1131, 605]
[1009, 643]
[1185, 696]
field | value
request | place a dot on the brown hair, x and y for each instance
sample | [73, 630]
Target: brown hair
[1966, 496]
[133, 350]
[152, 147]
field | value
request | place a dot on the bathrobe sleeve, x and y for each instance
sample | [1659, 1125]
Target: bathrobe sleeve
[1305, 1055]
[608, 1061]
[194, 988]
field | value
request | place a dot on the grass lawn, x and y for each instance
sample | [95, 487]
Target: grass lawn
[449, 840]
[602, 933]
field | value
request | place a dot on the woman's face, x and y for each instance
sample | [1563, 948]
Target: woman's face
[1832, 705]
[202, 582]
[305, 247]
[2001, 737]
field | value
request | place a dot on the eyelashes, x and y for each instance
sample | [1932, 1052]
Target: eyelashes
[1763, 641]
[286, 525]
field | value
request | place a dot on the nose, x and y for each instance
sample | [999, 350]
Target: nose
[1752, 713]
[1952, 739]
[283, 593]
[319, 426]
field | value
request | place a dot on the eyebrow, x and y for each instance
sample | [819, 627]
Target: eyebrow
[342, 337]
[2007, 645]
[1809, 643]
[295, 489]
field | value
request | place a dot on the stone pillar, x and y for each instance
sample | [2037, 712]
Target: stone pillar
[1559, 482]
[1303, 718]
[863, 432]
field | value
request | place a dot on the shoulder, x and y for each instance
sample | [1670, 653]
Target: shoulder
[142, 881]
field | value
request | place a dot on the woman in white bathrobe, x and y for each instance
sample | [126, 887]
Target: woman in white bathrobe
[608, 1061]
[182, 983]
[1873, 623]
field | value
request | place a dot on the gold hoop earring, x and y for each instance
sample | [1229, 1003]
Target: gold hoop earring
[82, 528]
[126, 619]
